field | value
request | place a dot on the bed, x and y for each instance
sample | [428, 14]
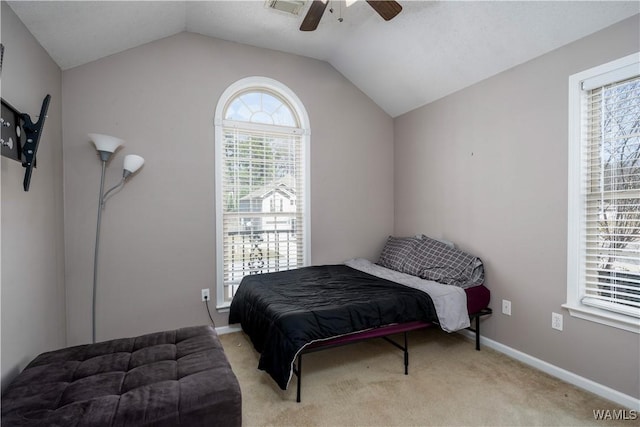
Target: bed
[289, 313]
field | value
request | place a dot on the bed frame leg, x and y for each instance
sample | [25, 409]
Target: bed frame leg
[406, 355]
[478, 333]
[299, 373]
[476, 316]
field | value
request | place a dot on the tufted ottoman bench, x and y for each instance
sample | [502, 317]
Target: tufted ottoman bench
[170, 378]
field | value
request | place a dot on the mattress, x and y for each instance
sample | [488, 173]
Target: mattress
[477, 299]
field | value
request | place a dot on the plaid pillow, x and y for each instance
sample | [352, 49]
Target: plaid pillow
[396, 251]
[434, 260]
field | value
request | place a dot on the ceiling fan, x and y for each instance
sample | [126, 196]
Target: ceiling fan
[386, 9]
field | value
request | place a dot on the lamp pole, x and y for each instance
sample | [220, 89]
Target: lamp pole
[102, 199]
[95, 256]
[106, 146]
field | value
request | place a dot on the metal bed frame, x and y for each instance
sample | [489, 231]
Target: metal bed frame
[382, 332]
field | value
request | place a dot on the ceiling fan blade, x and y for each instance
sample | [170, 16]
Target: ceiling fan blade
[312, 19]
[387, 9]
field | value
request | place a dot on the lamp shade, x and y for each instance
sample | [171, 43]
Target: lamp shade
[105, 143]
[132, 163]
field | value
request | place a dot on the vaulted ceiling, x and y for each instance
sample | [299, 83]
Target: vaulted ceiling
[431, 49]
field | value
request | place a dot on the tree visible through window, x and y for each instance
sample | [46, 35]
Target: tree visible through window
[260, 150]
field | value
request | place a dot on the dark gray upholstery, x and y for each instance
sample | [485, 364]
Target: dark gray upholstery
[170, 378]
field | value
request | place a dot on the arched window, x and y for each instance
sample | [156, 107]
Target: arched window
[262, 149]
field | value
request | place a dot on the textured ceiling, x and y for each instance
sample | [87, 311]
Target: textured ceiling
[433, 48]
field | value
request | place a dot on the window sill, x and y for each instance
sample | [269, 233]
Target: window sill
[223, 308]
[605, 317]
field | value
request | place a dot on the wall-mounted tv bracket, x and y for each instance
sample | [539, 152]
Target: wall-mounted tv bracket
[20, 136]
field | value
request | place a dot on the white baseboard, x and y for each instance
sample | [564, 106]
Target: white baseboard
[578, 381]
[221, 330]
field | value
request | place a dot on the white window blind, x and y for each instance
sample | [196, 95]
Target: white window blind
[263, 201]
[611, 199]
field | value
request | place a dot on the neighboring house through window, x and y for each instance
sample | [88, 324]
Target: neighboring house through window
[262, 182]
[604, 194]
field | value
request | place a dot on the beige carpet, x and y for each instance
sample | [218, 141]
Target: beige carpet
[449, 383]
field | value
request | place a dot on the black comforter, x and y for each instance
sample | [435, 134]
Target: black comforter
[282, 312]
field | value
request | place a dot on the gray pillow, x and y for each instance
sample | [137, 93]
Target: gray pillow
[395, 252]
[433, 260]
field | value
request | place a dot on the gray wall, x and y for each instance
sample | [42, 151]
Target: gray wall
[33, 298]
[158, 233]
[487, 168]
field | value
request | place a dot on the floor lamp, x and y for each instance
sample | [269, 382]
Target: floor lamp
[106, 146]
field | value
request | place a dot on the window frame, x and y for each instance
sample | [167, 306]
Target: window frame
[601, 75]
[257, 83]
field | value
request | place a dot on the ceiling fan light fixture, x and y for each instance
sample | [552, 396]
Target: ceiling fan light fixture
[292, 7]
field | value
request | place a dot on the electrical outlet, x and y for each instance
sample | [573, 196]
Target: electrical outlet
[556, 321]
[506, 307]
[205, 295]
